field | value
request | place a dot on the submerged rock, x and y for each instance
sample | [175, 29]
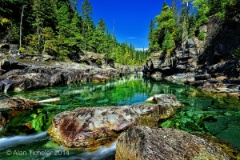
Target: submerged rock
[144, 143]
[220, 90]
[89, 128]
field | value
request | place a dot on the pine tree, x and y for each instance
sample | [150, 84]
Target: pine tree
[101, 25]
[151, 35]
[203, 10]
[168, 43]
[87, 10]
[166, 23]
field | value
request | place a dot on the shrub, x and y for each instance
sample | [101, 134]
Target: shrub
[201, 35]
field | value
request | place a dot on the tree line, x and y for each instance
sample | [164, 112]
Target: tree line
[56, 27]
[175, 25]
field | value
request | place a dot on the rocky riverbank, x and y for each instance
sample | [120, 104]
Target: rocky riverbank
[19, 73]
[210, 64]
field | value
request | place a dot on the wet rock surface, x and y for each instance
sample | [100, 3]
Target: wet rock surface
[89, 128]
[145, 143]
[20, 75]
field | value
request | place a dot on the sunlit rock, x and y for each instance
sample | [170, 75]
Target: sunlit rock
[99, 78]
[89, 128]
[144, 143]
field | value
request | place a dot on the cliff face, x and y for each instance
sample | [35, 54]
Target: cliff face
[223, 38]
[202, 59]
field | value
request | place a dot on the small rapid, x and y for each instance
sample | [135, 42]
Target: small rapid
[14, 141]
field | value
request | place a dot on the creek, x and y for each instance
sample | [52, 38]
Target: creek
[25, 136]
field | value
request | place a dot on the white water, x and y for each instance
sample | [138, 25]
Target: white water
[14, 141]
[103, 153]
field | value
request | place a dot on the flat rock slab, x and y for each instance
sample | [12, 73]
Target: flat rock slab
[89, 128]
[145, 143]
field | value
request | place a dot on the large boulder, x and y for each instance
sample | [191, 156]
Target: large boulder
[89, 128]
[145, 143]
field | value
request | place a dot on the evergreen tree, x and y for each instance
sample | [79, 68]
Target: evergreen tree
[168, 44]
[38, 24]
[87, 10]
[203, 10]
[166, 23]
[151, 35]
[101, 25]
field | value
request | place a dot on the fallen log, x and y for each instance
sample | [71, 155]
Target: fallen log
[19, 103]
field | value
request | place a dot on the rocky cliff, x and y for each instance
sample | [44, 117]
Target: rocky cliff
[213, 60]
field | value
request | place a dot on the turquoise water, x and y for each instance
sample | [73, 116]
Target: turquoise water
[25, 137]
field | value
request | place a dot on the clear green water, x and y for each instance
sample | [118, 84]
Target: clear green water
[25, 137]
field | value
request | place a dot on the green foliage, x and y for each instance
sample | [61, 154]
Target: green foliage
[127, 55]
[166, 22]
[38, 121]
[49, 41]
[223, 8]
[203, 9]
[86, 9]
[191, 25]
[101, 25]
[31, 40]
[21, 49]
[55, 26]
[201, 35]
[168, 43]
[236, 53]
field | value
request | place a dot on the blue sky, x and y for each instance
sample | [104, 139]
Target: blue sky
[129, 19]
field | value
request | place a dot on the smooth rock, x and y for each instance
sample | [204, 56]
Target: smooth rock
[89, 128]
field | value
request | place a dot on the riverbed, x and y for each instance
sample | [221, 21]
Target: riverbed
[25, 135]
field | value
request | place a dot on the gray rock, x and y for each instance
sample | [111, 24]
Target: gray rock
[25, 76]
[157, 76]
[145, 143]
[191, 43]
